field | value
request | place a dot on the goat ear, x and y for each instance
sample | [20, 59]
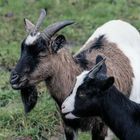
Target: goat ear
[29, 98]
[100, 61]
[29, 26]
[103, 69]
[58, 43]
[106, 84]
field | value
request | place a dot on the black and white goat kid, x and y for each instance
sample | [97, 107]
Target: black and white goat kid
[95, 95]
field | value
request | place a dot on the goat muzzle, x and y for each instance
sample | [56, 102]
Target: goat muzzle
[16, 81]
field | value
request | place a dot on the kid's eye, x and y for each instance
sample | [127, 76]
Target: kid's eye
[82, 95]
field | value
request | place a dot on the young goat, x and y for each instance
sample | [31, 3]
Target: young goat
[95, 95]
[44, 58]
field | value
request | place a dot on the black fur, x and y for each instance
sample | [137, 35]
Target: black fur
[98, 97]
[28, 61]
[29, 98]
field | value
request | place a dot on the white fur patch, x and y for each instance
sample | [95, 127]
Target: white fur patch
[110, 135]
[30, 39]
[127, 39]
[68, 104]
[70, 116]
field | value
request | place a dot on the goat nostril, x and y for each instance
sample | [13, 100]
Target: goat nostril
[63, 107]
[14, 78]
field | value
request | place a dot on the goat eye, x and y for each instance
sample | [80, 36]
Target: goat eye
[82, 95]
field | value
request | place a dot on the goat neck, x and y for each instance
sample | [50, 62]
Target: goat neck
[116, 110]
[64, 70]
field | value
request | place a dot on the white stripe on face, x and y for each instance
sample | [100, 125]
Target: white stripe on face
[30, 39]
[68, 104]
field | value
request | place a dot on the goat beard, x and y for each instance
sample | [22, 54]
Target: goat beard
[29, 98]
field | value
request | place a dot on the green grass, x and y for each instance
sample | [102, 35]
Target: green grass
[44, 120]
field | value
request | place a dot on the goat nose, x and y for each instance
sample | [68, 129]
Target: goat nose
[14, 77]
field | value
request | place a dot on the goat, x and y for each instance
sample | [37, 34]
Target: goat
[44, 58]
[95, 95]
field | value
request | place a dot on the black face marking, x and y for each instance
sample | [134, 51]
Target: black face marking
[30, 54]
[34, 49]
[29, 59]
[85, 93]
[88, 96]
[98, 44]
[81, 57]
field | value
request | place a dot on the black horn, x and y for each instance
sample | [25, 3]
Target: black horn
[52, 29]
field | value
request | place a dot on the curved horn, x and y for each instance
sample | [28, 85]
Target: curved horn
[39, 21]
[52, 29]
[93, 72]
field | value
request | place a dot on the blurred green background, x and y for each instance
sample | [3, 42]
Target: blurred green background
[43, 123]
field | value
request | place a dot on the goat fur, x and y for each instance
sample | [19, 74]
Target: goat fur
[119, 42]
[95, 95]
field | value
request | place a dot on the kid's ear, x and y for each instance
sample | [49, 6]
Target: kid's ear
[106, 84]
[103, 69]
[100, 62]
[58, 43]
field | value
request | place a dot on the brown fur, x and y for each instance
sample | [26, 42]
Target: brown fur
[61, 69]
[64, 72]
[118, 65]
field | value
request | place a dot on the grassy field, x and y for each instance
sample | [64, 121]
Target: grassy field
[44, 122]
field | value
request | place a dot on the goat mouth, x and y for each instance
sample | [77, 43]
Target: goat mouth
[19, 85]
[70, 116]
[65, 114]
